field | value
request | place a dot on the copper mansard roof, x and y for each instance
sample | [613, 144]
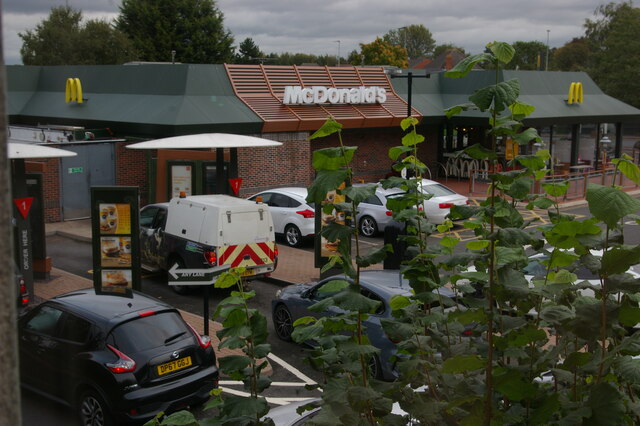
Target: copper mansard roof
[261, 88]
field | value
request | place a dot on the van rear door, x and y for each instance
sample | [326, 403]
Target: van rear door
[248, 240]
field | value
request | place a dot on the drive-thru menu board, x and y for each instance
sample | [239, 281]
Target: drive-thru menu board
[114, 222]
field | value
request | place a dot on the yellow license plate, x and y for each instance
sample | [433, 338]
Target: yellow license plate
[172, 366]
[248, 273]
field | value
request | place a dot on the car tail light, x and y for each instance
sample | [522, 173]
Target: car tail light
[146, 314]
[468, 202]
[203, 340]
[393, 340]
[445, 205]
[467, 332]
[307, 214]
[124, 364]
[210, 257]
[389, 213]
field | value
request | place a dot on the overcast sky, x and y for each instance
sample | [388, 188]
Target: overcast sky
[315, 26]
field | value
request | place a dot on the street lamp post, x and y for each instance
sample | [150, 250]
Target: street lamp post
[546, 61]
[338, 58]
[409, 76]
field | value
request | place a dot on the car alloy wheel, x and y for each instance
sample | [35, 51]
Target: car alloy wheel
[93, 410]
[283, 322]
[293, 236]
[375, 369]
[368, 226]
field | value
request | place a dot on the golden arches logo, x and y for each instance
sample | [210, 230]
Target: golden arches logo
[576, 93]
[73, 91]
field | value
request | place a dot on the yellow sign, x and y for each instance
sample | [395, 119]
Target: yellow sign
[576, 93]
[73, 91]
[512, 150]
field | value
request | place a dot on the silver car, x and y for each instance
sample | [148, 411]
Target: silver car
[373, 214]
[293, 217]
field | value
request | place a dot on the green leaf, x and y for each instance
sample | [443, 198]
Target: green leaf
[628, 168]
[628, 369]
[512, 385]
[396, 151]
[555, 189]
[399, 301]
[610, 205]
[408, 122]
[607, 405]
[352, 300]
[411, 139]
[447, 241]
[507, 255]
[232, 363]
[520, 189]
[498, 96]
[521, 109]
[504, 52]
[556, 315]
[455, 110]
[531, 162]
[245, 406]
[180, 418]
[478, 152]
[543, 203]
[373, 257]
[548, 408]
[465, 66]
[619, 259]
[629, 315]
[333, 158]
[329, 127]
[334, 286]
[462, 364]
[326, 181]
[226, 279]
[478, 244]
[358, 194]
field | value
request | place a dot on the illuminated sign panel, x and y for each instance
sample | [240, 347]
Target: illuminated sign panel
[317, 95]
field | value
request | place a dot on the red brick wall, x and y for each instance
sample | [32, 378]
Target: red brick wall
[51, 190]
[132, 169]
[270, 167]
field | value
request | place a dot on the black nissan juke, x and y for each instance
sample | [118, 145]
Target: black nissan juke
[115, 359]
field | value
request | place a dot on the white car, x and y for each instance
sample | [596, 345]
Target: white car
[293, 217]
[443, 198]
[373, 214]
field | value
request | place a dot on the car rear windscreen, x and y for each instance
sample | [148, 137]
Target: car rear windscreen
[149, 332]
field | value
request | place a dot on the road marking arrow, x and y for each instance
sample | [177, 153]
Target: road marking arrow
[195, 276]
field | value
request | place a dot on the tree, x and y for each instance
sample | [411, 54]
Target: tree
[615, 50]
[530, 55]
[573, 56]
[416, 39]
[248, 52]
[61, 39]
[380, 52]
[441, 48]
[192, 28]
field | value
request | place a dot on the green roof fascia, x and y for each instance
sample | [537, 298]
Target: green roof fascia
[149, 96]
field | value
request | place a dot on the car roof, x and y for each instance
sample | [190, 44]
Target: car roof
[387, 282]
[300, 191]
[108, 310]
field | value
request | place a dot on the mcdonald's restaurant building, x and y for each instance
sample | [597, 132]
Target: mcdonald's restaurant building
[96, 111]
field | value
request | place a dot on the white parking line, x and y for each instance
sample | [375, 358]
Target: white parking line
[299, 374]
[277, 401]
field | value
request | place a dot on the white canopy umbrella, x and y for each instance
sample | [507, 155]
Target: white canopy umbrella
[25, 150]
[205, 140]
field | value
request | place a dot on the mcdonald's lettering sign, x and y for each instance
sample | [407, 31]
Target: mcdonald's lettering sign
[73, 91]
[575, 93]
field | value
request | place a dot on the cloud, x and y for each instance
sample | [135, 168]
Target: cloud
[312, 26]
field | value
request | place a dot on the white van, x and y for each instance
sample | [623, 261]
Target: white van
[202, 231]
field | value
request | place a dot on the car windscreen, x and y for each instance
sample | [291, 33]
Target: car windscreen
[148, 332]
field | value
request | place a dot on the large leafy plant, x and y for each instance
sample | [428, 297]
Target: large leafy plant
[504, 349]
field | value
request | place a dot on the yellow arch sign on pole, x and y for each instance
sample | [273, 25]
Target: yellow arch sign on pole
[73, 91]
[576, 93]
